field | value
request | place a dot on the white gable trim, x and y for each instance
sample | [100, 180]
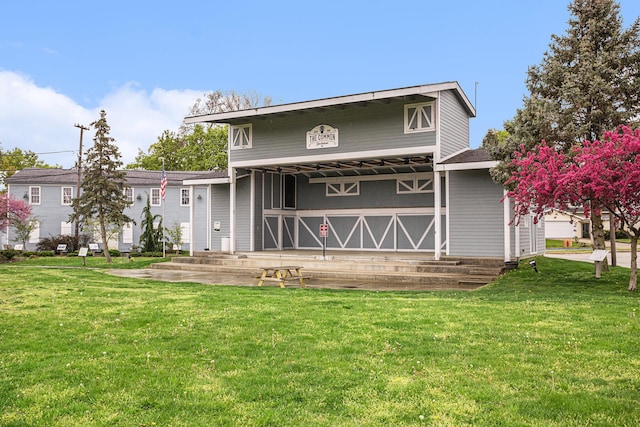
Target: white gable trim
[466, 166]
[425, 90]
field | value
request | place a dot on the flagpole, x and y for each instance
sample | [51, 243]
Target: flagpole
[164, 249]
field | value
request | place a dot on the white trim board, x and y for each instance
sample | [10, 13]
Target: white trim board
[430, 90]
[358, 155]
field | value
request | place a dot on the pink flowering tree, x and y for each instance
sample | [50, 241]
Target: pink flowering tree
[12, 210]
[609, 171]
[534, 181]
[596, 175]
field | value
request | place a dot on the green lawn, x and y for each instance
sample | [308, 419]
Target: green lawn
[79, 347]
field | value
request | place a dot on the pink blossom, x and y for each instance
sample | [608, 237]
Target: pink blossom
[12, 210]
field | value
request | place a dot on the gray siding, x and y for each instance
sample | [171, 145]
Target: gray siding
[51, 213]
[257, 221]
[475, 215]
[200, 218]
[219, 213]
[243, 214]
[373, 194]
[361, 129]
[454, 125]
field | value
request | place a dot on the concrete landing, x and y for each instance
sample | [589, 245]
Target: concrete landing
[248, 280]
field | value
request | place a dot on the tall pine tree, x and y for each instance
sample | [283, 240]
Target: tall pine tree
[102, 200]
[587, 83]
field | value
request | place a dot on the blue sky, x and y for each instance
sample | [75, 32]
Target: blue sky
[145, 62]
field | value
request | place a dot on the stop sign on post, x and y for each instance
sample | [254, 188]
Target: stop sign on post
[324, 230]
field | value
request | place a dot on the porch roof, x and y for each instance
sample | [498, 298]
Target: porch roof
[412, 93]
[353, 167]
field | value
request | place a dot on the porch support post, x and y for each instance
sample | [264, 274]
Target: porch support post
[507, 228]
[232, 211]
[447, 196]
[192, 205]
[437, 202]
[209, 216]
[252, 212]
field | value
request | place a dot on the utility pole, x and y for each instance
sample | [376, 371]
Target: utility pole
[79, 166]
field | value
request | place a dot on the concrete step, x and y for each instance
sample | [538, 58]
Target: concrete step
[427, 267]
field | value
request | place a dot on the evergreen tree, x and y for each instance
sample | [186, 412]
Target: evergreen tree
[587, 83]
[151, 238]
[102, 195]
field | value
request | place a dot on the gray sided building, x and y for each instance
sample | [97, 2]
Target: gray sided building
[50, 193]
[382, 171]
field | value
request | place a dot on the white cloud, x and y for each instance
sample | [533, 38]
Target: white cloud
[41, 120]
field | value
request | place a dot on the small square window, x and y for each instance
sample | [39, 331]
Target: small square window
[185, 197]
[34, 195]
[128, 195]
[419, 117]
[67, 196]
[241, 137]
[155, 197]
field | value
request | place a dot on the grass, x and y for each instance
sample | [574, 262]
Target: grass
[90, 262]
[79, 347]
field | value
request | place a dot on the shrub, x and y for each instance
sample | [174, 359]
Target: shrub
[8, 254]
[619, 235]
[51, 243]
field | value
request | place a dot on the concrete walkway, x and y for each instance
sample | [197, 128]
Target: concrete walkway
[623, 256]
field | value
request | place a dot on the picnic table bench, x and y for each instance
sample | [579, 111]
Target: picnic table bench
[282, 274]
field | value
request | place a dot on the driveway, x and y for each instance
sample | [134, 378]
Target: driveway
[623, 257]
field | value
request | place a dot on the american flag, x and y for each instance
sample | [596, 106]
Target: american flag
[163, 184]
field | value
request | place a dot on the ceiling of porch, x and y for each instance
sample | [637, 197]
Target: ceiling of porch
[356, 167]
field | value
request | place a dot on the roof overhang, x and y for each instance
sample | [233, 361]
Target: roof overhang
[466, 166]
[430, 91]
[206, 181]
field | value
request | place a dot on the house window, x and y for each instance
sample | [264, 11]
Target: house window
[67, 196]
[185, 197]
[34, 195]
[289, 191]
[343, 188]
[128, 195]
[419, 117]
[414, 185]
[240, 137]
[155, 197]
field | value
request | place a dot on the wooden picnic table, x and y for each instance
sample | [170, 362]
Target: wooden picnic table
[282, 274]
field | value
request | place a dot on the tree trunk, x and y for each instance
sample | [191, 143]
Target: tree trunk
[597, 231]
[633, 277]
[612, 239]
[105, 241]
